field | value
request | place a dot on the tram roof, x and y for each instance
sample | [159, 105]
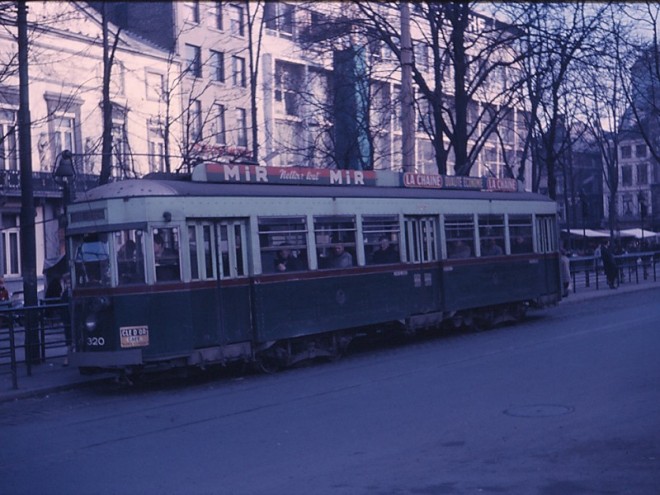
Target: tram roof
[215, 179]
[186, 188]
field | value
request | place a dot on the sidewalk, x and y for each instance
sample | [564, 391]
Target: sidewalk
[52, 376]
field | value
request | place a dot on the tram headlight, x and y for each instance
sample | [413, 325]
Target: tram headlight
[91, 322]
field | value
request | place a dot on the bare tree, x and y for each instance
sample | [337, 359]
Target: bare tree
[460, 84]
[643, 95]
[255, 29]
[557, 36]
[607, 83]
[108, 60]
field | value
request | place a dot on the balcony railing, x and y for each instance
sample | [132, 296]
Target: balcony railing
[43, 184]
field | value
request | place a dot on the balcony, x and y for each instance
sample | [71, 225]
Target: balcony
[42, 183]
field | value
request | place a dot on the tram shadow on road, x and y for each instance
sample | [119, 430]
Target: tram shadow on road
[377, 343]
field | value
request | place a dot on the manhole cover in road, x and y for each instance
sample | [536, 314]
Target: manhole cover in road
[539, 411]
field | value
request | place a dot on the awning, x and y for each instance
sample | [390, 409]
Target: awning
[589, 233]
[639, 233]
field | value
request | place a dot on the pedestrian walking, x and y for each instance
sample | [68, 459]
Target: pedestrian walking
[609, 265]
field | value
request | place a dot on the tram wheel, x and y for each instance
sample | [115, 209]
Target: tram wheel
[268, 362]
[267, 365]
[483, 321]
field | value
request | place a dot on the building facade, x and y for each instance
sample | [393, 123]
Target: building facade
[298, 83]
[65, 66]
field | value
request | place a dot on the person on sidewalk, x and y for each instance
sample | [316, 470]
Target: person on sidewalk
[609, 265]
[565, 273]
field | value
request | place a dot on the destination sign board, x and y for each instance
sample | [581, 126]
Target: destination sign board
[227, 172]
[433, 181]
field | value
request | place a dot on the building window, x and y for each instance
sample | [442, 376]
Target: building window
[156, 143]
[218, 65]
[279, 18]
[626, 152]
[422, 55]
[238, 69]
[120, 167]
[626, 175]
[236, 22]
[193, 60]
[288, 81]
[241, 125]
[642, 173]
[11, 237]
[118, 79]
[627, 200]
[218, 124]
[155, 86]
[63, 130]
[217, 16]
[8, 150]
[195, 120]
[640, 151]
[191, 11]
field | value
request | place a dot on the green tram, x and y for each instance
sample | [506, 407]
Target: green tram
[272, 265]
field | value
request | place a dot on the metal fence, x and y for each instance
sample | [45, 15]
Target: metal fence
[48, 338]
[634, 268]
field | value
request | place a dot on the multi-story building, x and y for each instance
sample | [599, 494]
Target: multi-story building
[298, 83]
[638, 193]
[211, 41]
[65, 93]
[638, 177]
[580, 181]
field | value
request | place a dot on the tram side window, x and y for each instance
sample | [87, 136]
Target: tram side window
[166, 254]
[491, 235]
[335, 241]
[129, 246]
[459, 231]
[520, 232]
[381, 239]
[283, 244]
[91, 260]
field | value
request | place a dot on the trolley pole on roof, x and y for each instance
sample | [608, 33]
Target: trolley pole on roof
[27, 230]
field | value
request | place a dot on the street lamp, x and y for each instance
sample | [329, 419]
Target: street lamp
[585, 212]
[64, 175]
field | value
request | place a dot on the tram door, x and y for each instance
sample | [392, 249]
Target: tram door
[547, 245]
[233, 293]
[421, 249]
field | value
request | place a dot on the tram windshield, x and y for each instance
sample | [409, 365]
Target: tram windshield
[91, 256]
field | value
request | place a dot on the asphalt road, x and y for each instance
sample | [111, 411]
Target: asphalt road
[566, 403]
